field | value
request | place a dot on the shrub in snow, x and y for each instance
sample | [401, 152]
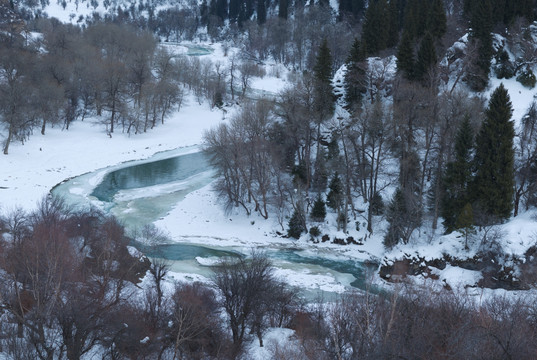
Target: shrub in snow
[377, 204]
[465, 223]
[218, 100]
[318, 212]
[527, 78]
[504, 69]
[342, 220]
[314, 231]
[300, 174]
[335, 196]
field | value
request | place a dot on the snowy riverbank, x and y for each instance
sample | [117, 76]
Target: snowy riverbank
[31, 170]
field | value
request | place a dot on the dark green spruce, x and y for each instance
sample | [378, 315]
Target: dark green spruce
[324, 99]
[355, 80]
[426, 57]
[494, 161]
[481, 23]
[376, 27]
[436, 20]
[458, 177]
[405, 56]
[318, 211]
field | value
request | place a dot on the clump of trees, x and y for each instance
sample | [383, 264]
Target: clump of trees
[107, 70]
[65, 275]
[484, 182]
[252, 297]
[279, 157]
[67, 290]
[115, 72]
[415, 325]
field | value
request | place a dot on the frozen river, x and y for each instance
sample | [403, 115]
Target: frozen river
[141, 192]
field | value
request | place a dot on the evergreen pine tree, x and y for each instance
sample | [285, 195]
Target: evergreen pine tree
[283, 6]
[527, 9]
[324, 103]
[465, 223]
[323, 64]
[423, 16]
[350, 9]
[324, 99]
[436, 20]
[405, 56]
[377, 205]
[247, 10]
[320, 172]
[410, 23]
[415, 20]
[318, 211]
[221, 9]
[395, 215]
[393, 24]
[494, 159]
[402, 217]
[458, 177]
[503, 10]
[344, 8]
[426, 57]
[357, 8]
[410, 186]
[375, 28]
[334, 199]
[355, 81]
[234, 9]
[296, 225]
[243, 16]
[261, 12]
[204, 13]
[481, 23]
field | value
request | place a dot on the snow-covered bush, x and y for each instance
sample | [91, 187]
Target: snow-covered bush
[527, 78]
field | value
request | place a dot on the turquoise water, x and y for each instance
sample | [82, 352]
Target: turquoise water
[139, 193]
[194, 50]
[149, 174]
[179, 252]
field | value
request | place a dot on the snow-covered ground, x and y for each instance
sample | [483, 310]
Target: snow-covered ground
[31, 170]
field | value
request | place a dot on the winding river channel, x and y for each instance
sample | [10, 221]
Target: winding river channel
[141, 192]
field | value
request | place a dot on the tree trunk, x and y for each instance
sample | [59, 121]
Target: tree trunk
[259, 336]
[369, 219]
[518, 196]
[43, 126]
[112, 118]
[8, 140]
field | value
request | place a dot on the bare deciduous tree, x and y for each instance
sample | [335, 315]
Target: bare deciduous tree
[245, 285]
[242, 153]
[15, 110]
[368, 136]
